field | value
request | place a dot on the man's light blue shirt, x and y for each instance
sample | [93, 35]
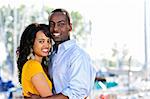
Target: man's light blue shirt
[72, 71]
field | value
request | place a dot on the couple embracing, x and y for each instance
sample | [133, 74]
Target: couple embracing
[67, 73]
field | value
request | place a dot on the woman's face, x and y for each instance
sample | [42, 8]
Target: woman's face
[42, 45]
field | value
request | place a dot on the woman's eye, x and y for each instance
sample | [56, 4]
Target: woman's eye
[41, 41]
[49, 41]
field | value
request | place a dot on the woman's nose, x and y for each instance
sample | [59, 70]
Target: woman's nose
[47, 44]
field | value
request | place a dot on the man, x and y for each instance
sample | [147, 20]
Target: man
[71, 68]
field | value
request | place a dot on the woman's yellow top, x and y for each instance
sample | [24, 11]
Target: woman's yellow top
[30, 68]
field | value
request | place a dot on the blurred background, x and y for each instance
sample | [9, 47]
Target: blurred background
[115, 33]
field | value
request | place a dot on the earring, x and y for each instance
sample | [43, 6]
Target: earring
[46, 61]
[47, 58]
[31, 56]
[50, 52]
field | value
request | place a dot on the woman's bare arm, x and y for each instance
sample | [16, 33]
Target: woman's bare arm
[41, 85]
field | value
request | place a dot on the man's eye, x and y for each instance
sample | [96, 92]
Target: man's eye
[61, 24]
[52, 24]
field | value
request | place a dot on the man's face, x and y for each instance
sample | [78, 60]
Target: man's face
[59, 27]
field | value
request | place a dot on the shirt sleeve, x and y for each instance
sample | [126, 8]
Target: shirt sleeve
[34, 67]
[82, 76]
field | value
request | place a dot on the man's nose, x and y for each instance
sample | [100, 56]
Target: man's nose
[56, 28]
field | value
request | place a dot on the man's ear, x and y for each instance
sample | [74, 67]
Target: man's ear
[70, 27]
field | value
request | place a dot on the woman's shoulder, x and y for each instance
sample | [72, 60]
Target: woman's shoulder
[33, 64]
[32, 61]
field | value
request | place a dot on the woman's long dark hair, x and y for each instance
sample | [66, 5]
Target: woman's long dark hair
[26, 43]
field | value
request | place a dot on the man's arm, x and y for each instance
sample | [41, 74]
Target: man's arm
[82, 76]
[57, 96]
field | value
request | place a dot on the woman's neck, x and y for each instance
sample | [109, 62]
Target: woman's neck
[39, 59]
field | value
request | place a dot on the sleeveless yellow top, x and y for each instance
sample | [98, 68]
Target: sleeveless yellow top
[30, 68]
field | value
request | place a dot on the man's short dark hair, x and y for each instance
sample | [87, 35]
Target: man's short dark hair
[63, 11]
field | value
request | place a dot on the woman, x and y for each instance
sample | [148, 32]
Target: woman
[34, 48]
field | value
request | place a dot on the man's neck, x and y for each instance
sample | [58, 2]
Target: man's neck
[59, 42]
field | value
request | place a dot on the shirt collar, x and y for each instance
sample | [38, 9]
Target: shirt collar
[67, 44]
